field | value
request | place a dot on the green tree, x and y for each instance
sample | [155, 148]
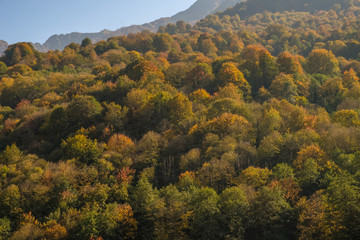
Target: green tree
[332, 93]
[234, 208]
[271, 217]
[145, 202]
[205, 216]
[5, 228]
[180, 108]
[81, 148]
[343, 197]
[283, 87]
[86, 42]
[162, 42]
[83, 111]
[258, 66]
[3, 68]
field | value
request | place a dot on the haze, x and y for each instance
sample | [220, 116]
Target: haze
[36, 20]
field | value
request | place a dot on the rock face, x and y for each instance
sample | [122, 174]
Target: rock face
[197, 11]
[3, 47]
[202, 8]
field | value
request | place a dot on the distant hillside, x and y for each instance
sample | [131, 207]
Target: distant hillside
[62, 40]
[250, 7]
[197, 11]
[3, 46]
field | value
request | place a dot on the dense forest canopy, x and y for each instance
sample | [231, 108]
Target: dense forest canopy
[239, 127]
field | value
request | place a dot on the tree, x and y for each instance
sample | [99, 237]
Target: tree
[191, 160]
[234, 207]
[228, 73]
[5, 228]
[200, 96]
[176, 73]
[216, 174]
[57, 122]
[258, 66]
[145, 202]
[270, 121]
[332, 93]
[81, 148]
[201, 76]
[116, 115]
[171, 218]
[350, 78]
[180, 108]
[139, 68]
[120, 143]
[347, 118]
[86, 42]
[283, 171]
[312, 219]
[289, 64]
[162, 42]
[204, 222]
[228, 105]
[117, 221]
[226, 124]
[3, 68]
[10, 202]
[271, 216]
[148, 150]
[20, 53]
[254, 176]
[206, 45]
[83, 111]
[323, 62]
[311, 165]
[270, 146]
[283, 87]
[343, 199]
[33, 229]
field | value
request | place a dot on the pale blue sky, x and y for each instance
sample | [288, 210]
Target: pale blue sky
[36, 20]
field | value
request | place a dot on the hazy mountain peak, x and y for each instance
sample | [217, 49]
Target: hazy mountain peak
[202, 8]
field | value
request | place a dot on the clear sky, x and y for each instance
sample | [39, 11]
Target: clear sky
[37, 20]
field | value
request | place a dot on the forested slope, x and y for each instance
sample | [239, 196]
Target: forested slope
[234, 128]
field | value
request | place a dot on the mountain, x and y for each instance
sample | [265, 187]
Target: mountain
[202, 8]
[62, 40]
[3, 47]
[197, 11]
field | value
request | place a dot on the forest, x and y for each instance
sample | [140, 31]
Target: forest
[236, 127]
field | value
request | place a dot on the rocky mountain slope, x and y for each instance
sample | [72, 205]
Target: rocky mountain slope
[3, 46]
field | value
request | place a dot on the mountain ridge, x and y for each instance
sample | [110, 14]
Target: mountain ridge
[195, 12]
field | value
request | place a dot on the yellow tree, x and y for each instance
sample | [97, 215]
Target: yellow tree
[350, 78]
[322, 61]
[347, 118]
[289, 64]
[229, 73]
